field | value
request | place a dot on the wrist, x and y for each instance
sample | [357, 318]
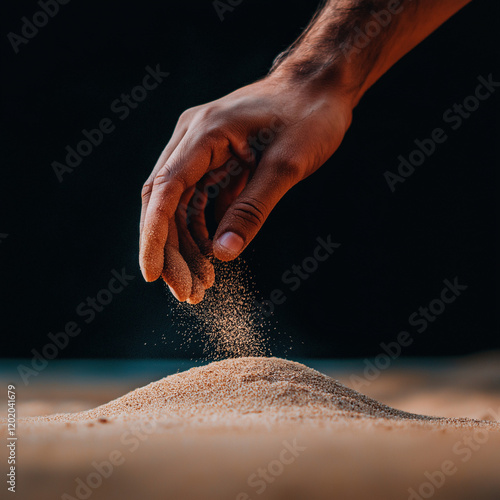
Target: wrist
[332, 74]
[327, 83]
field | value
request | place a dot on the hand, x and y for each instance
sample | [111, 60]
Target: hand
[261, 140]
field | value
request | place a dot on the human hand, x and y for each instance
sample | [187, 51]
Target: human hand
[262, 139]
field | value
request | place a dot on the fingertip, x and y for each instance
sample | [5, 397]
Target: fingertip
[228, 246]
[204, 271]
[197, 291]
[181, 293]
[148, 277]
[210, 277]
[223, 256]
[172, 291]
[151, 267]
[151, 260]
[176, 274]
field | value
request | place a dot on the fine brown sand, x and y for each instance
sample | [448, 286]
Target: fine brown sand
[251, 391]
[256, 428]
[227, 323]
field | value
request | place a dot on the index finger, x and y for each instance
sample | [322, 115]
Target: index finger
[162, 160]
[185, 167]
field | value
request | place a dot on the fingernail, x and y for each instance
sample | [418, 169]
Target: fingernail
[173, 293]
[231, 243]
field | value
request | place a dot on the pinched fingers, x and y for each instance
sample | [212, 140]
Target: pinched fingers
[184, 168]
[196, 154]
[183, 267]
[198, 264]
[176, 272]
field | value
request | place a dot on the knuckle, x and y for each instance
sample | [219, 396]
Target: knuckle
[250, 211]
[187, 115]
[289, 169]
[147, 188]
[209, 112]
[211, 125]
[213, 118]
[165, 177]
[213, 133]
[211, 137]
[161, 178]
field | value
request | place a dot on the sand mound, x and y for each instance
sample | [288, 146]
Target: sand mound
[214, 432]
[233, 388]
[228, 429]
[247, 392]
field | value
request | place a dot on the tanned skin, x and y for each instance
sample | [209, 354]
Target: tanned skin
[301, 109]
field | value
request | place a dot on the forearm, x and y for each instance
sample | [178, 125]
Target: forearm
[350, 44]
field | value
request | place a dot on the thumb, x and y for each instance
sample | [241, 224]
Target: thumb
[274, 176]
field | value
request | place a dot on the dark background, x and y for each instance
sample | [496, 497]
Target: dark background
[396, 249]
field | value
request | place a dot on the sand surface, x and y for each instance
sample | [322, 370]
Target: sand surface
[256, 428]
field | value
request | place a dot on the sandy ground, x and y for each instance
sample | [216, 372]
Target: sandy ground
[150, 456]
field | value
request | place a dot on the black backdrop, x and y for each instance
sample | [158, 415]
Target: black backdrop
[396, 248]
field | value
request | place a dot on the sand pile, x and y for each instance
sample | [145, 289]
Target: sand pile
[246, 391]
[249, 428]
